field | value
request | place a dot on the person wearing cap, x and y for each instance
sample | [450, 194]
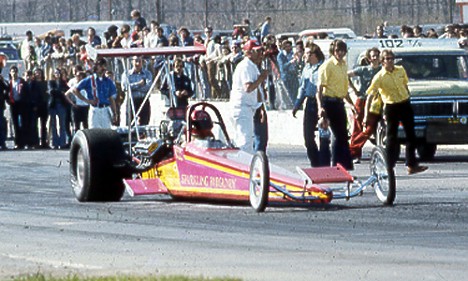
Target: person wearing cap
[247, 100]
[140, 80]
[100, 94]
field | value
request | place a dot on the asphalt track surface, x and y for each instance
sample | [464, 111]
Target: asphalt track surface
[423, 237]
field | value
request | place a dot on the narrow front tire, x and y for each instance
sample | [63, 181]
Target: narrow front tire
[259, 182]
[385, 185]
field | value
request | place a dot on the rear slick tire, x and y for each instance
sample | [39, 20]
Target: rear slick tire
[259, 181]
[93, 155]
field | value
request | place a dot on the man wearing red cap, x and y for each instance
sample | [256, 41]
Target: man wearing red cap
[247, 100]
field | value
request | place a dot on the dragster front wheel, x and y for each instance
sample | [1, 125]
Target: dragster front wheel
[385, 186]
[259, 183]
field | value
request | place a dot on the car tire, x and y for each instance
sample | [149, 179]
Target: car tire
[93, 156]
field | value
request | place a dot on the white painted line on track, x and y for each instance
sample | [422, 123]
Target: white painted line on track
[53, 263]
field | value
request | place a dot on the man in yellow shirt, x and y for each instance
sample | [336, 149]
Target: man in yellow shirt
[391, 83]
[332, 91]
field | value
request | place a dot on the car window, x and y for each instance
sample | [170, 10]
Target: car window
[10, 53]
[462, 64]
[435, 67]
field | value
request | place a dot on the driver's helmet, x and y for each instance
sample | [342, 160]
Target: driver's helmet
[202, 123]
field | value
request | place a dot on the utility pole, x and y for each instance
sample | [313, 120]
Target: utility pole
[206, 12]
[159, 17]
[162, 15]
[70, 11]
[129, 9]
[110, 9]
[14, 11]
[451, 10]
[98, 10]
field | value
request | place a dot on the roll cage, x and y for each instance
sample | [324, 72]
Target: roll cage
[124, 55]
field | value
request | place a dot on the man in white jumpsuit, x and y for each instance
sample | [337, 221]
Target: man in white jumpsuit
[247, 99]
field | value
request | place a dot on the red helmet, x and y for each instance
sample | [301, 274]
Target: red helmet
[201, 120]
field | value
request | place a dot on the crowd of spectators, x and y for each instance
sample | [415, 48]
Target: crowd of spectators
[39, 113]
[45, 114]
[417, 31]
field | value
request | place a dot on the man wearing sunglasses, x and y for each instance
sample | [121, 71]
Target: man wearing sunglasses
[391, 83]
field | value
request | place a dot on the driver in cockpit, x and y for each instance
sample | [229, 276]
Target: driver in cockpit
[201, 125]
[202, 134]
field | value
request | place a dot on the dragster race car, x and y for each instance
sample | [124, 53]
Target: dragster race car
[189, 155]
